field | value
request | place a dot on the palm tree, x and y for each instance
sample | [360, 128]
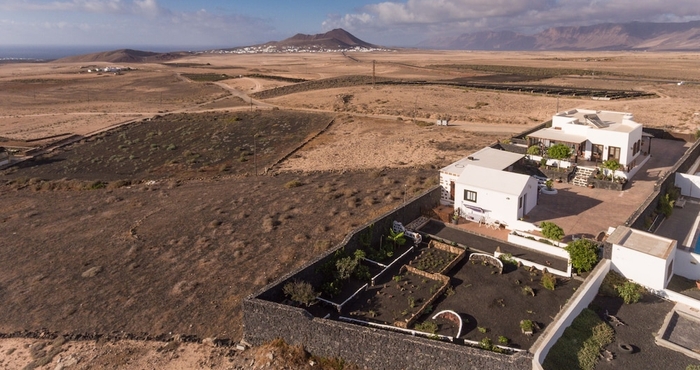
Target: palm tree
[397, 238]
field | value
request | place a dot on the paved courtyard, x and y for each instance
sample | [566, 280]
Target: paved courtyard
[580, 210]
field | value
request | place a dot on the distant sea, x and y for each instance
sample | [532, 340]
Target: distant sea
[33, 52]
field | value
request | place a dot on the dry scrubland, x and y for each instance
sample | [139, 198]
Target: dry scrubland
[124, 235]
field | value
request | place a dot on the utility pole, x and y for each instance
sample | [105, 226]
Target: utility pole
[255, 154]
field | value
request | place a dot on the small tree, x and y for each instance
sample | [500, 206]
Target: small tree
[534, 150]
[583, 254]
[611, 165]
[559, 152]
[396, 238]
[346, 266]
[301, 292]
[550, 230]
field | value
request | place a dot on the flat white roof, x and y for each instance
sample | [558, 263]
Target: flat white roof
[615, 121]
[642, 241]
[487, 157]
[557, 135]
[496, 180]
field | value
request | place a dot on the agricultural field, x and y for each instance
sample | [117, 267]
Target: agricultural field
[179, 145]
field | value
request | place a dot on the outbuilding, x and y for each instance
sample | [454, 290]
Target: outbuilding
[642, 257]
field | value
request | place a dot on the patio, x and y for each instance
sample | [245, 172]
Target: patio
[585, 211]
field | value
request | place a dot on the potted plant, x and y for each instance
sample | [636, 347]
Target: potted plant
[548, 184]
[527, 327]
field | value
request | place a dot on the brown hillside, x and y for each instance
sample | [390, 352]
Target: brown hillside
[123, 56]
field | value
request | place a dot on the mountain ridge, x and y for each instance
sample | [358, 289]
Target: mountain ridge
[604, 36]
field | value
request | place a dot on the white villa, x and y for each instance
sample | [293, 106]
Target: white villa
[483, 188]
[596, 136]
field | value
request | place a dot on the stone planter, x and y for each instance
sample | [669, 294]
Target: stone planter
[549, 191]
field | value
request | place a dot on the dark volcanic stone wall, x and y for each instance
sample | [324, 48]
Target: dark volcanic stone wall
[264, 319]
[364, 346]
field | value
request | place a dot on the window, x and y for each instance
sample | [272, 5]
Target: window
[470, 196]
[520, 203]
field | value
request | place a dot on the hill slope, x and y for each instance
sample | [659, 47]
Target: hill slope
[123, 56]
[606, 36]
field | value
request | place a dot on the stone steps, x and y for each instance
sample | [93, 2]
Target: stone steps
[582, 175]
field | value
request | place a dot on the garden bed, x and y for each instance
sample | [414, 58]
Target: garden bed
[437, 258]
[398, 299]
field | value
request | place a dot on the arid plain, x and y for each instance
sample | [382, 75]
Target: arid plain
[131, 232]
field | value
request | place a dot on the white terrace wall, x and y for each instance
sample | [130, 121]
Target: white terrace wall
[689, 184]
[583, 296]
[522, 240]
[687, 264]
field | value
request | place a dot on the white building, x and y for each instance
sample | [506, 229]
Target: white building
[482, 186]
[642, 257]
[595, 136]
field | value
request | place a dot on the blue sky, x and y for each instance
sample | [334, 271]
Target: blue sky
[218, 23]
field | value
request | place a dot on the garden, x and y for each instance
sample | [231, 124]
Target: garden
[497, 310]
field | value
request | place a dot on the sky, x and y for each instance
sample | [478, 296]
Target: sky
[199, 25]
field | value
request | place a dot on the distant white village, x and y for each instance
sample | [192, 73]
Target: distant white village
[270, 49]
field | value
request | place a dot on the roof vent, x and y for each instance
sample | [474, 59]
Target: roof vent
[470, 158]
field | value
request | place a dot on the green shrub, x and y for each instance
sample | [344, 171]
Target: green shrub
[630, 292]
[534, 150]
[301, 292]
[345, 267]
[362, 273]
[482, 329]
[548, 281]
[583, 254]
[171, 147]
[550, 230]
[503, 340]
[527, 325]
[427, 326]
[293, 184]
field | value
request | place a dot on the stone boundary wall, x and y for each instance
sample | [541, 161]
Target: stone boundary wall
[441, 278]
[365, 346]
[300, 146]
[351, 243]
[636, 220]
[583, 296]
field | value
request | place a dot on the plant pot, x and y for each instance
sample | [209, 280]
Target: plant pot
[591, 186]
[454, 221]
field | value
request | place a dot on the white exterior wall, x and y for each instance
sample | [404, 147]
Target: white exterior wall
[445, 179]
[640, 267]
[687, 264]
[689, 184]
[623, 140]
[500, 206]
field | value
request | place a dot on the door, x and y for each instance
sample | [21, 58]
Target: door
[614, 153]
[452, 190]
[522, 205]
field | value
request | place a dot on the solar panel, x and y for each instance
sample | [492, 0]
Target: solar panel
[595, 120]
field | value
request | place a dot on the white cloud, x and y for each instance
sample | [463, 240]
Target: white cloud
[133, 22]
[416, 18]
